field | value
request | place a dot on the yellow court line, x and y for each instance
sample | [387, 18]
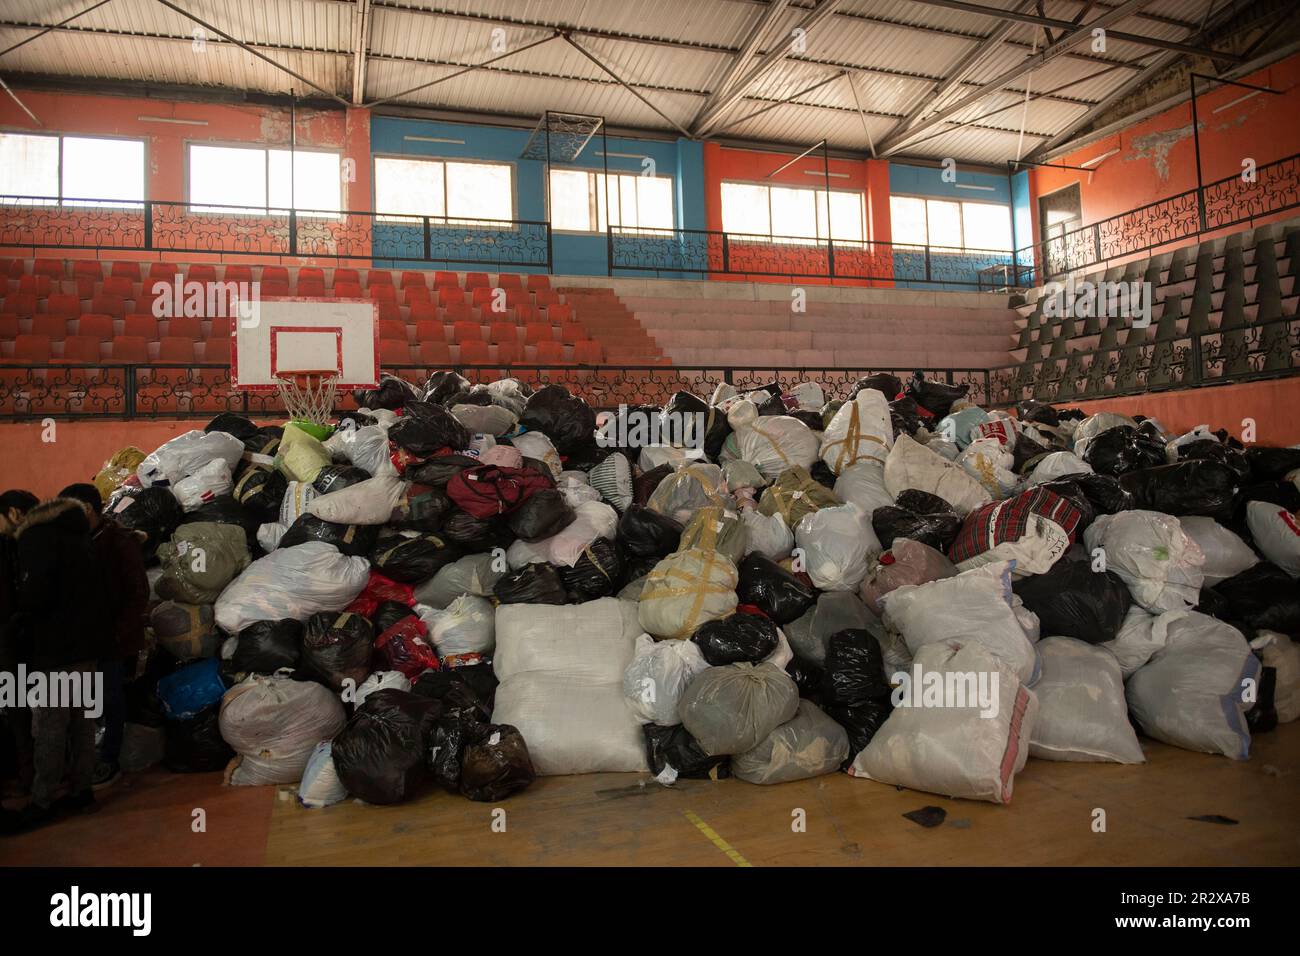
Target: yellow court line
[717, 841]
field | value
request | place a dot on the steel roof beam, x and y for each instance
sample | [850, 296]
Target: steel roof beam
[742, 56]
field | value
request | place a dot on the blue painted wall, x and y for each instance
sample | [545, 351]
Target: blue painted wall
[1022, 220]
[959, 271]
[572, 253]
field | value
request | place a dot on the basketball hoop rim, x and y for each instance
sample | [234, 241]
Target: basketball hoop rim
[304, 376]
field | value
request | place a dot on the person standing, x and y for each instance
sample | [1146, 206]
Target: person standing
[14, 504]
[117, 550]
[63, 611]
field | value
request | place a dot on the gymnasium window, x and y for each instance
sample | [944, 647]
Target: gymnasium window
[259, 181]
[796, 214]
[949, 223]
[581, 203]
[467, 192]
[70, 170]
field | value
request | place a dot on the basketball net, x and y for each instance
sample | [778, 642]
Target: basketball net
[309, 396]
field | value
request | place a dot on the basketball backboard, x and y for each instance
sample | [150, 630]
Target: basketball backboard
[283, 335]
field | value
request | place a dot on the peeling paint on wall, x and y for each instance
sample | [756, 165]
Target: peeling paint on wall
[1156, 147]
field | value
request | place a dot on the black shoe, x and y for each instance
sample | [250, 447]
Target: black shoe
[82, 802]
[106, 774]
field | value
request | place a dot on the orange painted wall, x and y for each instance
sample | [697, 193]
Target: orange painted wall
[165, 145]
[1271, 404]
[871, 177]
[1156, 157]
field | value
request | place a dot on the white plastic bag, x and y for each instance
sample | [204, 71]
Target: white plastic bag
[292, 582]
[203, 485]
[269, 535]
[368, 502]
[561, 670]
[731, 709]
[861, 430]
[537, 446]
[1283, 655]
[187, 453]
[381, 680]
[863, 485]
[690, 487]
[1082, 714]
[809, 744]
[775, 443]
[658, 675]
[809, 396]
[955, 751]
[274, 723]
[593, 519]
[297, 496]
[320, 786]
[1152, 555]
[768, 535]
[1276, 533]
[1190, 694]
[466, 626]
[1057, 465]
[989, 462]
[911, 465]
[370, 451]
[839, 545]
[974, 606]
[1226, 555]
[1139, 638]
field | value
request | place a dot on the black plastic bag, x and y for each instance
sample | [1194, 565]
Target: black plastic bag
[1262, 716]
[923, 503]
[447, 743]
[441, 386]
[597, 573]
[259, 450]
[807, 676]
[543, 514]
[241, 426]
[143, 705]
[381, 753]
[438, 470]
[264, 647]
[1271, 464]
[821, 473]
[531, 584]
[355, 540]
[772, 589]
[854, 670]
[155, 511]
[675, 747]
[1031, 411]
[426, 429]
[1025, 455]
[810, 418]
[388, 613]
[938, 530]
[392, 393]
[935, 397]
[860, 722]
[1121, 449]
[628, 428]
[1073, 600]
[1212, 450]
[422, 508]
[1283, 493]
[412, 557]
[496, 763]
[643, 533]
[261, 490]
[196, 745]
[1104, 492]
[470, 687]
[566, 420]
[585, 457]
[1197, 487]
[891, 386]
[338, 646]
[337, 477]
[772, 405]
[736, 638]
[476, 535]
[1263, 597]
[223, 509]
[644, 484]
[905, 415]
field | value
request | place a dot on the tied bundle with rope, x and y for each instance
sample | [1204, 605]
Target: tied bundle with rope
[861, 430]
[686, 589]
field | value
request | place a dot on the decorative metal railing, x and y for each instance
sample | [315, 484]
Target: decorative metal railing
[1218, 357]
[177, 227]
[181, 391]
[1233, 201]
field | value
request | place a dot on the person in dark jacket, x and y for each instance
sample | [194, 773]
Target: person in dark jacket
[63, 609]
[118, 551]
[17, 721]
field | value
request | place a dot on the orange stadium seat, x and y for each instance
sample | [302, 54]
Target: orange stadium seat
[125, 270]
[109, 304]
[129, 350]
[40, 286]
[474, 353]
[63, 303]
[53, 327]
[176, 349]
[141, 324]
[95, 323]
[434, 352]
[394, 352]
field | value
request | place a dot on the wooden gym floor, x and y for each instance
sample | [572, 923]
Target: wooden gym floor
[628, 819]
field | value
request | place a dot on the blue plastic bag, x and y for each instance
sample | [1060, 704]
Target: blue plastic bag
[187, 691]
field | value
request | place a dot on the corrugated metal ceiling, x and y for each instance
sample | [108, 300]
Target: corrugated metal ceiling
[674, 52]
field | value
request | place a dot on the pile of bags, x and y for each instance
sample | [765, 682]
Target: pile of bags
[467, 585]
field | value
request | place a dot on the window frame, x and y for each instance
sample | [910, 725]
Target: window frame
[226, 209]
[593, 203]
[60, 201]
[498, 225]
[961, 216]
[801, 240]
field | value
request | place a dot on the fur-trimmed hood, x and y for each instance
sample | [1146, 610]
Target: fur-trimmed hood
[67, 513]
